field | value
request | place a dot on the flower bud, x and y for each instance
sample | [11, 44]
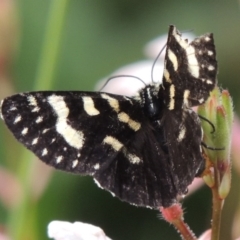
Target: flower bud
[217, 137]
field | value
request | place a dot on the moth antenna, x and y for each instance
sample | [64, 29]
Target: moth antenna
[118, 76]
[210, 123]
[155, 61]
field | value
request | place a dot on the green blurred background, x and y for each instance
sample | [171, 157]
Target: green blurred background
[98, 37]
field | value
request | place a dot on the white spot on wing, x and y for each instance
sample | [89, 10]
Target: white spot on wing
[74, 163]
[172, 100]
[73, 137]
[209, 82]
[112, 102]
[12, 108]
[96, 166]
[89, 107]
[192, 61]
[32, 100]
[210, 53]
[35, 141]
[44, 152]
[181, 134]
[59, 159]
[186, 96]
[39, 119]
[211, 68]
[113, 142]
[133, 158]
[123, 117]
[17, 119]
[45, 130]
[207, 39]
[117, 146]
[36, 109]
[167, 75]
[24, 131]
[173, 58]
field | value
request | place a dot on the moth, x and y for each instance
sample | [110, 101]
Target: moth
[145, 149]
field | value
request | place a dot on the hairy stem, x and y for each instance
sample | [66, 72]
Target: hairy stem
[184, 230]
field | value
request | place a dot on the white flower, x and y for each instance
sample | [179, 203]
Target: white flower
[129, 86]
[61, 230]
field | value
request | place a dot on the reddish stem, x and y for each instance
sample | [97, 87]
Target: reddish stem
[174, 215]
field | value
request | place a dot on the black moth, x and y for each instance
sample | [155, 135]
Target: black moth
[145, 149]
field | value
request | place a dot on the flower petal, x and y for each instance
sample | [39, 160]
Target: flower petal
[61, 230]
[129, 86]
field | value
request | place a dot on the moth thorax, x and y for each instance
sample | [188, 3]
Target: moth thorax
[150, 102]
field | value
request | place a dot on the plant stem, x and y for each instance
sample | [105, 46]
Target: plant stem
[51, 43]
[217, 207]
[174, 215]
[22, 218]
[184, 230]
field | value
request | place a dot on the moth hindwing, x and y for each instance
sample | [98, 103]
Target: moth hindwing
[145, 149]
